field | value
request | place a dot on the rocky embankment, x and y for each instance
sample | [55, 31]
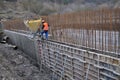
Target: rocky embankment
[15, 65]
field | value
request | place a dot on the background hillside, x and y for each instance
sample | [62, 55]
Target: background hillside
[21, 8]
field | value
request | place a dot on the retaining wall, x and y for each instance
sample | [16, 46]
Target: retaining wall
[23, 42]
[69, 62]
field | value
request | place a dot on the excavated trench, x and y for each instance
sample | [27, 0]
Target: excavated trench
[15, 65]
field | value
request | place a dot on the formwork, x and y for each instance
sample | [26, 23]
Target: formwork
[72, 63]
[84, 45]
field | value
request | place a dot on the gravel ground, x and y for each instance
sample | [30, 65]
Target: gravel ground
[15, 65]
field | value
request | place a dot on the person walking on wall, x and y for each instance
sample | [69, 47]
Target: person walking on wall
[45, 27]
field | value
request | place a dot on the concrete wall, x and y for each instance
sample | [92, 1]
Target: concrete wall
[23, 42]
[69, 62]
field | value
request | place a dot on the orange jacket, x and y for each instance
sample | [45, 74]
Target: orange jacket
[45, 24]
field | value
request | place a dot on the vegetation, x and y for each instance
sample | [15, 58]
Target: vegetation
[46, 7]
[36, 7]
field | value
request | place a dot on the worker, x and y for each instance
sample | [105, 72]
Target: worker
[45, 27]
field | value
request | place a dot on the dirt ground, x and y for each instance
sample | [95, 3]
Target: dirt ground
[15, 65]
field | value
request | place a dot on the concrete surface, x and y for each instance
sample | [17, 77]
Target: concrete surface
[23, 42]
